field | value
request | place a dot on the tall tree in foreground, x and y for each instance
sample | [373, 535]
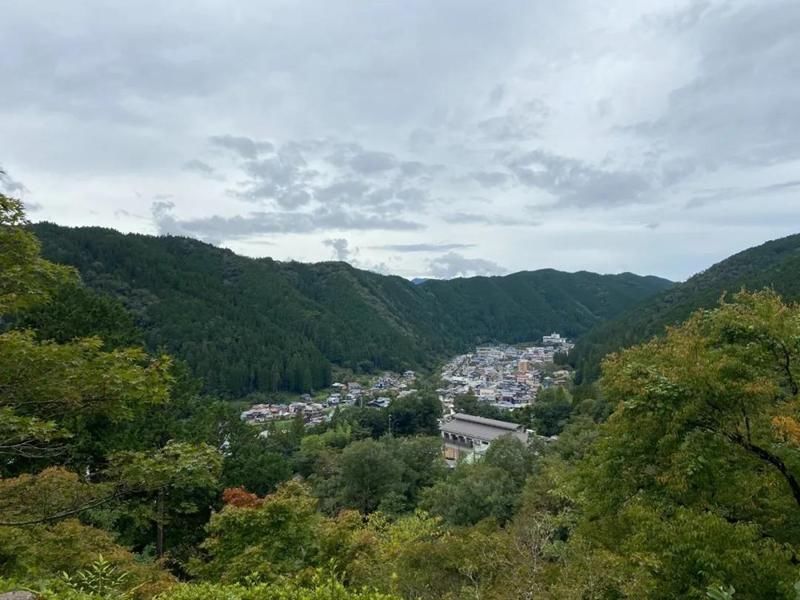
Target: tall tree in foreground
[27, 278]
[65, 403]
[694, 481]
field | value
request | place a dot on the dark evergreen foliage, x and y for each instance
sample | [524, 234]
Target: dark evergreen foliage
[247, 325]
[775, 264]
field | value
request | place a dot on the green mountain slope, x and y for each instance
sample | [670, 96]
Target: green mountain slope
[774, 264]
[526, 305]
[247, 324]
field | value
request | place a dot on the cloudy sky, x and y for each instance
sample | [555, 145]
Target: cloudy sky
[415, 137]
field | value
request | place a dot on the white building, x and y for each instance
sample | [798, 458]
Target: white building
[553, 338]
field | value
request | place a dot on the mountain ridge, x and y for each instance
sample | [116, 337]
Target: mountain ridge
[775, 264]
[257, 324]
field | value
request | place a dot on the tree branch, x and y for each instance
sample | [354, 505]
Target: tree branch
[769, 458]
[119, 494]
[787, 368]
[63, 514]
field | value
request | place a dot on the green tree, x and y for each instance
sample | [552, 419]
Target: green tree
[321, 586]
[85, 391]
[417, 413]
[279, 537]
[551, 411]
[26, 279]
[701, 455]
[167, 479]
[252, 462]
[369, 472]
[473, 492]
[513, 456]
[470, 405]
[74, 311]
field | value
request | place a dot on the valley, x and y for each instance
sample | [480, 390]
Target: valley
[194, 425]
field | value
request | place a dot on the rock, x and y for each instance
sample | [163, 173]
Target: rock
[18, 596]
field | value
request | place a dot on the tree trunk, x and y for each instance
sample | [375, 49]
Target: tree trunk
[160, 525]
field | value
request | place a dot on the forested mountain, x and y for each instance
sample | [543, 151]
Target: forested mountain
[775, 264]
[249, 325]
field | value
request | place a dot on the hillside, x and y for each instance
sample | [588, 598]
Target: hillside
[249, 325]
[774, 264]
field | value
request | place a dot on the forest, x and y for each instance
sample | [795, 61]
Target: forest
[674, 475]
[774, 264]
[245, 325]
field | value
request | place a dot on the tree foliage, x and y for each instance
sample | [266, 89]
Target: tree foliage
[695, 473]
[26, 279]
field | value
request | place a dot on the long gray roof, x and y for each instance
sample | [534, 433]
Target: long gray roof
[481, 427]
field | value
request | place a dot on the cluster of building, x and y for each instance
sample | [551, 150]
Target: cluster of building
[377, 394]
[507, 377]
[312, 412]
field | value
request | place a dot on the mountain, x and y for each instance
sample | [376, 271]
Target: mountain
[248, 325]
[775, 264]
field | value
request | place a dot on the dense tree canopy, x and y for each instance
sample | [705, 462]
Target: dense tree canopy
[700, 455]
[775, 265]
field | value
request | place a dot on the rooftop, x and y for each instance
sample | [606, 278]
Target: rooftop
[481, 427]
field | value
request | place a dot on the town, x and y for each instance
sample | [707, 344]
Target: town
[507, 377]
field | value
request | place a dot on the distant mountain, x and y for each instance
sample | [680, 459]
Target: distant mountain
[419, 280]
[247, 325]
[775, 264]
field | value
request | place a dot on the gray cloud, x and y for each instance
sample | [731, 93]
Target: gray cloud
[490, 179]
[241, 145]
[336, 174]
[466, 218]
[342, 192]
[578, 184]
[496, 95]
[414, 172]
[453, 264]
[422, 247]
[728, 194]
[421, 139]
[373, 162]
[216, 228]
[341, 251]
[10, 186]
[284, 178]
[741, 107]
[200, 167]
[520, 123]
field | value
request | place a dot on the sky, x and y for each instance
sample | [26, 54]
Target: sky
[414, 137]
